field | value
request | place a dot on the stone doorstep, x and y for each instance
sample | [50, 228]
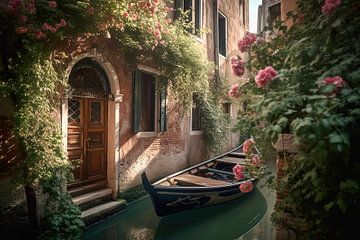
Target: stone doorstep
[92, 196]
[102, 211]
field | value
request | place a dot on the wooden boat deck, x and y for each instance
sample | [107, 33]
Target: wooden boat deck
[187, 178]
[233, 160]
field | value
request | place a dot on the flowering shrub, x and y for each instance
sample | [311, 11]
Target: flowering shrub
[329, 6]
[140, 31]
[316, 97]
[247, 146]
[245, 43]
[238, 66]
[265, 76]
[238, 171]
[246, 186]
[234, 91]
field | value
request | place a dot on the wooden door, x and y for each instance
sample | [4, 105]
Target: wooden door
[87, 139]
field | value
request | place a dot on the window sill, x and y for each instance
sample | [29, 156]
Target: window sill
[196, 132]
[198, 39]
[147, 134]
[222, 56]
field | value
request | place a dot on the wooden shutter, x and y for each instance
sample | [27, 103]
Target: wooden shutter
[163, 117]
[136, 100]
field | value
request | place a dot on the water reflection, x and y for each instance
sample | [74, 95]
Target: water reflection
[139, 221]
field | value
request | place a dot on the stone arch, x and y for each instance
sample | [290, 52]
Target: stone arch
[113, 139]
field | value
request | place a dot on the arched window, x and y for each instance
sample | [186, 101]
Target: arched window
[88, 79]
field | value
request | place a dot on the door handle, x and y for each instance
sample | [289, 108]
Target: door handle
[87, 142]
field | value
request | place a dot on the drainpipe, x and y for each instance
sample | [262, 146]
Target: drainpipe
[216, 40]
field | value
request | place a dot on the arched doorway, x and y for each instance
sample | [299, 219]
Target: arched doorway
[87, 123]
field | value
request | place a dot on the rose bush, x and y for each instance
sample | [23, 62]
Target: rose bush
[316, 97]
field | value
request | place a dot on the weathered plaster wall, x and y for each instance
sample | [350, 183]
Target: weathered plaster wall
[287, 6]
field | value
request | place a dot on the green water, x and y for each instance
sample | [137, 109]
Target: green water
[225, 221]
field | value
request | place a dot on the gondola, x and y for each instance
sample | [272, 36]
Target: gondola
[208, 183]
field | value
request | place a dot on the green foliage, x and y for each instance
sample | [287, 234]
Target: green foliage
[34, 79]
[323, 180]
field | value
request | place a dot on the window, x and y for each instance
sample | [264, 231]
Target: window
[195, 114]
[222, 24]
[194, 13]
[227, 108]
[274, 13]
[149, 103]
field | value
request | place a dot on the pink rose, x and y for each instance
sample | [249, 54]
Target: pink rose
[238, 66]
[22, 19]
[336, 81]
[90, 10]
[247, 145]
[329, 6]
[234, 91]
[245, 43]
[238, 171]
[14, 5]
[157, 34]
[31, 8]
[39, 34]
[256, 161]
[52, 4]
[265, 76]
[21, 30]
[246, 187]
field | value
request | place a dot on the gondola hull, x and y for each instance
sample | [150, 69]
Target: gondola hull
[208, 183]
[167, 200]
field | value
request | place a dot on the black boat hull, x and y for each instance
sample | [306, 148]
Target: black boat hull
[169, 200]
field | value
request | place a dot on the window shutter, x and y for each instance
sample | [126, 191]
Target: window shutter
[136, 100]
[178, 4]
[163, 117]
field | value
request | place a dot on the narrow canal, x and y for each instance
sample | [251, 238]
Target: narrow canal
[225, 221]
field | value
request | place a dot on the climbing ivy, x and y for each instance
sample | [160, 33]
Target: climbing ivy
[31, 73]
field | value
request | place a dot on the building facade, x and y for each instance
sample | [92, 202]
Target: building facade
[115, 121]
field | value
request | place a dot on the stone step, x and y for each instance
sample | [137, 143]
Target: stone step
[102, 211]
[91, 199]
[87, 188]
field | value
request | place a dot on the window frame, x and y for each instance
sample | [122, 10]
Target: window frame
[194, 15]
[200, 130]
[160, 102]
[225, 34]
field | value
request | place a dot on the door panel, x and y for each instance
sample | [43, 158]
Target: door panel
[87, 134]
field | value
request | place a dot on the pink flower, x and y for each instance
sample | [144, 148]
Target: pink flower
[246, 187]
[125, 14]
[329, 6]
[247, 145]
[238, 171]
[22, 19]
[168, 20]
[21, 30]
[256, 161]
[157, 34]
[336, 81]
[234, 91]
[90, 10]
[265, 76]
[31, 8]
[48, 27]
[14, 5]
[52, 4]
[238, 66]
[134, 17]
[245, 43]
[39, 34]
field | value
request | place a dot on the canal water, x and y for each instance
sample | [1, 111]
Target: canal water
[225, 221]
